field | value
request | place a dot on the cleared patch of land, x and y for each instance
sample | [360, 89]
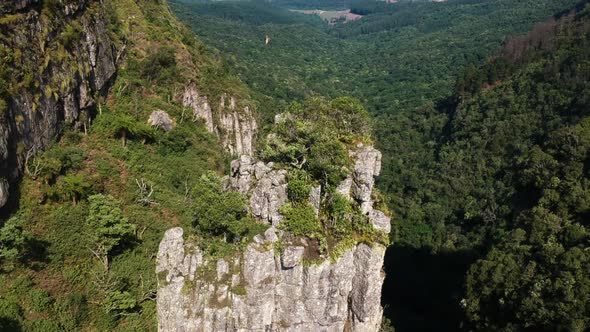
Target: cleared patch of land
[331, 16]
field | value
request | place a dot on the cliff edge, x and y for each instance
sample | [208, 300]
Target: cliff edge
[279, 282]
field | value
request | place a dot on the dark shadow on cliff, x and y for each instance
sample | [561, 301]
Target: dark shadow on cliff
[12, 204]
[422, 291]
[8, 324]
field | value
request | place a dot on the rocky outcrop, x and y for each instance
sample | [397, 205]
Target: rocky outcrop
[3, 191]
[66, 75]
[359, 185]
[236, 127]
[267, 188]
[199, 105]
[269, 289]
[161, 120]
[262, 291]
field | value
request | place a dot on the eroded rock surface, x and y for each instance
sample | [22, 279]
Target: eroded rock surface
[266, 187]
[236, 127]
[200, 106]
[162, 120]
[359, 185]
[262, 291]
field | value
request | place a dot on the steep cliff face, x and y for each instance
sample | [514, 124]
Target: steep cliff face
[235, 126]
[62, 59]
[270, 289]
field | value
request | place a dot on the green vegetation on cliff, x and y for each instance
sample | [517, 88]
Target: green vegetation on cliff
[78, 254]
[487, 173]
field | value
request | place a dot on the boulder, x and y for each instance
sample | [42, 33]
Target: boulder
[161, 120]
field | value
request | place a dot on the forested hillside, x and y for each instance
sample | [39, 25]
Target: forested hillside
[77, 249]
[485, 131]
[485, 149]
[502, 173]
[397, 57]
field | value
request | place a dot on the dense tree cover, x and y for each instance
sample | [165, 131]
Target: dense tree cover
[504, 174]
[492, 176]
[498, 171]
[394, 59]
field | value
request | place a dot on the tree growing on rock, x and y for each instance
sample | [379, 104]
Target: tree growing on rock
[221, 213]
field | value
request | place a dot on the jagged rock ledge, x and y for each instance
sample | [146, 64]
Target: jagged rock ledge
[265, 289]
[236, 127]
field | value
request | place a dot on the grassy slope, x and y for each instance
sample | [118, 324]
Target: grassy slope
[61, 286]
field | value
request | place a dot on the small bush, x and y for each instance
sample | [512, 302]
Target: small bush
[108, 227]
[57, 161]
[71, 34]
[40, 300]
[221, 213]
[71, 311]
[328, 161]
[340, 212]
[11, 314]
[160, 66]
[298, 190]
[71, 187]
[300, 220]
[43, 325]
[120, 302]
[118, 124]
[13, 241]
[174, 141]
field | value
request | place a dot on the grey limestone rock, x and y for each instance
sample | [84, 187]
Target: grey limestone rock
[292, 256]
[3, 191]
[325, 297]
[271, 235]
[380, 221]
[267, 188]
[315, 199]
[359, 185]
[261, 290]
[200, 106]
[161, 119]
[367, 283]
[366, 168]
[236, 128]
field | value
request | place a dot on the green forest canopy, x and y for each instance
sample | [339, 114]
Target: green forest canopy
[484, 159]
